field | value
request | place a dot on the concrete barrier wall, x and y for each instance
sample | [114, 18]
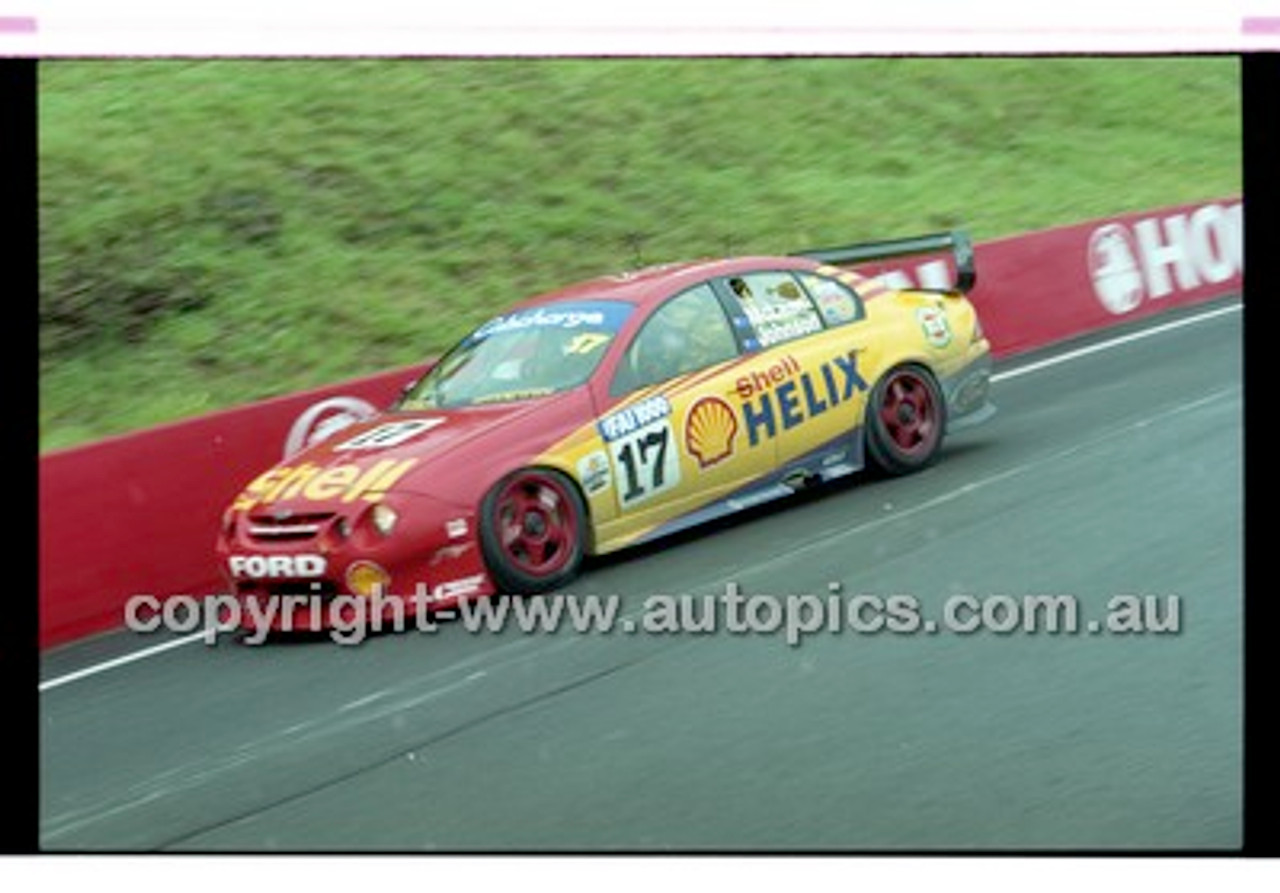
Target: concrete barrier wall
[1047, 286]
[139, 513]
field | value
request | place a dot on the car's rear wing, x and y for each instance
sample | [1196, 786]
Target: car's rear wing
[956, 240]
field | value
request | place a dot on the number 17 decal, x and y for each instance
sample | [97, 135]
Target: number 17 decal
[645, 463]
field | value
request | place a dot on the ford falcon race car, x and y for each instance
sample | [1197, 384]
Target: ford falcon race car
[613, 412]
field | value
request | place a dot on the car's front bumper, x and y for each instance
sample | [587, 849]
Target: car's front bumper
[428, 563]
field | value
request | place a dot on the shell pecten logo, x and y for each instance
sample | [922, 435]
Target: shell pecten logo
[709, 431]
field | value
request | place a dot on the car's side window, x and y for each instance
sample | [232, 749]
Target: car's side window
[687, 333]
[837, 302]
[776, 305]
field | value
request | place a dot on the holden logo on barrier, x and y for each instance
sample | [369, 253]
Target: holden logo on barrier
[324, 419]
[1113, 264]
[1158, 256]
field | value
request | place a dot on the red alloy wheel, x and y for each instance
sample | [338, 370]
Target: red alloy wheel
[910, 413]
[533, 531]
[906, 420]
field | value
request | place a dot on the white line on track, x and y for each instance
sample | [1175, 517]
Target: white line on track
[1004, 375]
[1118, 341]
[129, 658]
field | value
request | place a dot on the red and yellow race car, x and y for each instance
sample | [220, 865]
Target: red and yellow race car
[613, 412]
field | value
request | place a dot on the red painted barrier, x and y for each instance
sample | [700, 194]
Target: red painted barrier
[139, 513]
[1047, 286]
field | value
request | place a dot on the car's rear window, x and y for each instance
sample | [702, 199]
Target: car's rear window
[777, 307]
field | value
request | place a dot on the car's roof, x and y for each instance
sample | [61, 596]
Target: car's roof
[652, 284]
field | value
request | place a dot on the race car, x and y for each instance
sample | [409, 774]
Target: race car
[613, 412]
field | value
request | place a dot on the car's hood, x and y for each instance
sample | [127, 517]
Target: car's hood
[408, 452]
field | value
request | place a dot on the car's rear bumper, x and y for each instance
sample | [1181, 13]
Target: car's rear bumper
[968, 394]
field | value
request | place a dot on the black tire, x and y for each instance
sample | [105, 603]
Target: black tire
[533, 524]
[906, 419]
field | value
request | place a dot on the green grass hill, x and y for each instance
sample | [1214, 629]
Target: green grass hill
[217, 231]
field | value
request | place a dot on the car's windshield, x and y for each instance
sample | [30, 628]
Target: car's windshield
[524, 354]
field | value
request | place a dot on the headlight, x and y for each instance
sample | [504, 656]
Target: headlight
[384, 518]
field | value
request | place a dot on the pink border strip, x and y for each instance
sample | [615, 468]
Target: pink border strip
[17, 25]
[1260, 25]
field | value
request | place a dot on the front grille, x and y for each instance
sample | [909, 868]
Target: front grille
[291, 528]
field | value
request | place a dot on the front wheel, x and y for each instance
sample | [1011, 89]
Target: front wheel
[906, 417]
[532, 526]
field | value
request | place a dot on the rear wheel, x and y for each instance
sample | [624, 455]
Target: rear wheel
[532, 528]
[906, 417]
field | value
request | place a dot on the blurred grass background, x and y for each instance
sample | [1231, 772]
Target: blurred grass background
[218, 231]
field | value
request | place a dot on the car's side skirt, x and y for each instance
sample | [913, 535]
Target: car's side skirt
[842, 456]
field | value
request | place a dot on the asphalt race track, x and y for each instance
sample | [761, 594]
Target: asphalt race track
[1112, 472]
